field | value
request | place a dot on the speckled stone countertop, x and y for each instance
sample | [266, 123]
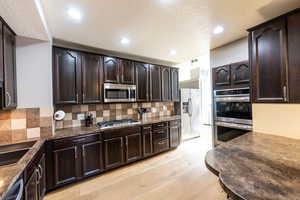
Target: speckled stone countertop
[258, 166]
[10, 173]
[68, 132]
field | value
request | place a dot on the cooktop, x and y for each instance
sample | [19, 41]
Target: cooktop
[117, 123]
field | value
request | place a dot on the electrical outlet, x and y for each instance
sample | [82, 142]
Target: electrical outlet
[81, 116]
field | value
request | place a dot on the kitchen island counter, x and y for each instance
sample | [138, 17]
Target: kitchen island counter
[258, 166]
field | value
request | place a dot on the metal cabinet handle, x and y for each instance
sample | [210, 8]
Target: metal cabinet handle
[41, 171]
[77, 98]
[38, 175]
[9, 98]
[160, 143]
[284, 93]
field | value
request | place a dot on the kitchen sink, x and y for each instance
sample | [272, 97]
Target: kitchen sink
[11, 154]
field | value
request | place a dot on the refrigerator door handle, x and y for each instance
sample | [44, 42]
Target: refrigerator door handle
[190, 106]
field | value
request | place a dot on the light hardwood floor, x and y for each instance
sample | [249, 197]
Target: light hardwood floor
[176, 175]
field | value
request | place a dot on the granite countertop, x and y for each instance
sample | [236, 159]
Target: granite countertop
[68, 132]
[258, 166]
[10, 173]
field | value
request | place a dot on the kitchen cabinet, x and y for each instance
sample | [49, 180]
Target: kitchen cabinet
[111, 70]
[9, 99]
[142, 81]
[147, 141]
[127, 72]
[65, 165]
[133, 145]
[91, 78]
[113, 152]
[240, 74]
[155, 83]
[92, 158]
[268, 52]
[35, 177]
[175, 85]
[66, 76]
[166, 83]
[293, 27]
[175, 134]
[221, 77]
[160, 137]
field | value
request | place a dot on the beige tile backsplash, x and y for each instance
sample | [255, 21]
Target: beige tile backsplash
[106, 112]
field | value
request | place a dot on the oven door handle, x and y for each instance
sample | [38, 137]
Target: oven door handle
[232, 125]
[233, 99]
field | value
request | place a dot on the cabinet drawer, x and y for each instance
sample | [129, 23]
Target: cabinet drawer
[160, 125]
[70, 141]
[147, 128]
[175, 123]
[161, 145]
[160, 135]
[121, 132]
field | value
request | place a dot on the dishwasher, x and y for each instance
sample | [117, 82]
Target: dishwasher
[16, 191]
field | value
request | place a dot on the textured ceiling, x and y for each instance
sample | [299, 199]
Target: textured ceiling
[153, 26]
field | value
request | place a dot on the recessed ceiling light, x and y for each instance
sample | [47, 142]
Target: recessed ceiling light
[218, 30]
[173, 52]
[125, 41]
[74, 14]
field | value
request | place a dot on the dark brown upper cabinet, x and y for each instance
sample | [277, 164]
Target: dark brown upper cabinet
[240, 74]
[221, 77]
[127, 72]
[175, 85]
[9, 100]
[166, 83]
[268, 52]
[142, 81]
[111, 70]
[293, 26]
[155, 83]
[91, 78]
[66, 76]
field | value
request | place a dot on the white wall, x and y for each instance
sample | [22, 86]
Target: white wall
[233, 52]
[34, 73]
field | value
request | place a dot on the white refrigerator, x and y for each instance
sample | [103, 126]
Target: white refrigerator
[190, 113]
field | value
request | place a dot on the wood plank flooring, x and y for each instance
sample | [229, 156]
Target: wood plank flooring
[176, 175]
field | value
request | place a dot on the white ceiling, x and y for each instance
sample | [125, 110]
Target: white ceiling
[153, 26]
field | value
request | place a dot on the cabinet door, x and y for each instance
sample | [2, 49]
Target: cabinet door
[91, 79]
[65, 165]
[269, 63]
[31, 187]
[111, 70]
[10, 81]
[240, 74]
[42, 179]
[113, 152]
[133, 147]
[166, 83]
[221, 77]
[155, 83]
[66, 76]
[92, 158]
[294, 57]
[175, 85]
[142, 81]
[175, 136]
[1, 54]
[147, 142]
[127, 72]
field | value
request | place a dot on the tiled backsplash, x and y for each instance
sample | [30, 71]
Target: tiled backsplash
[106, 112]
[20, 124]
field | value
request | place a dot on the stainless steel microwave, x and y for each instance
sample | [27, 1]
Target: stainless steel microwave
[119, 93]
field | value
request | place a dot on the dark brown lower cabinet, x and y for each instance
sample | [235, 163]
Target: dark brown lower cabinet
[161, 145]
[113, 152]
[161, 137]
[175, 134]
[92, 158]
[31, 187]
[147, 141]
[133, 147]
[65, 165]
[42, 180]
